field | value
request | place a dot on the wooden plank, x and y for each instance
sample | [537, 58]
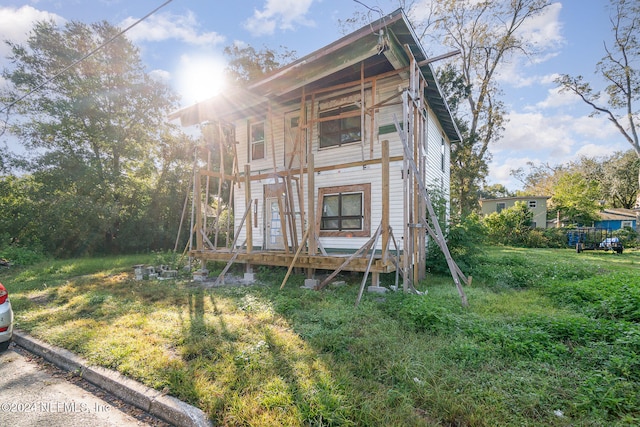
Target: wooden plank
[248, 201]
[262, 176]
[453, 268]
[220, 175]
[366, 273]
[244, 217]
[385, 199]
[197, 196]
[311, 200]
[226, 267]
[295, 258]
[280, 259]
[364, 247]
[283, 222]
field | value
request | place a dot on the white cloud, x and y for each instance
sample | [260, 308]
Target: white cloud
[555, 99]
[500, 173]
[160, 75]
[543, 31]
[550, 138]
[166, 26]
[595, 150]
[535, 131]
[15, 24]
[279, 14]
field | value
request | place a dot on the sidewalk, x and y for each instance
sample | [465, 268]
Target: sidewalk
[166, 408]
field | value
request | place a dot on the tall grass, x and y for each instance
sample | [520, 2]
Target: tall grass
[551, 337]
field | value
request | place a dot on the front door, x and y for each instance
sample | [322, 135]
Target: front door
[274, 238]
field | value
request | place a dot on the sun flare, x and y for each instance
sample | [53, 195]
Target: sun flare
[200, 78]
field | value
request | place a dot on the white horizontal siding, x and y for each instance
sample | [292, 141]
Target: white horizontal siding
[328, 157]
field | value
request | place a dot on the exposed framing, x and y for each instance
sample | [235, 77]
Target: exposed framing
[298, 178]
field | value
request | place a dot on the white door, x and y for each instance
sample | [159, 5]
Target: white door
[274, 238]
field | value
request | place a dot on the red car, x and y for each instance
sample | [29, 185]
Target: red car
[6, 319]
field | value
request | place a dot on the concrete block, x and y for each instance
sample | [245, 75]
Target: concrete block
[200, 275]
[310, 283]
[249, 277]
[377, 289]
[169, 274]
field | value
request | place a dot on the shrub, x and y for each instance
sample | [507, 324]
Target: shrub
[18, 255]
[628, 237]
[464, 240]
[510, 226]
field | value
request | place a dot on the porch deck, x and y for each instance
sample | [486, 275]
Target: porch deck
[283, 259]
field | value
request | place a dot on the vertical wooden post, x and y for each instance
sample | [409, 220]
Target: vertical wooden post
[311, 198]
[247, 201]
[197, 197]
[406, 237]
[385, 200]
[372, 118]
[305, 138]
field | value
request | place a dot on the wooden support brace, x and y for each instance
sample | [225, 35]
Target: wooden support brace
[453, 268]
[364, 248]
[366, 273]
[295, 258]
[226, 267]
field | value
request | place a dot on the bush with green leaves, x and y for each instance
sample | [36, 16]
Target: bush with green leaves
[21, 256]
[464, 240]
[511, 226]
[628, 237]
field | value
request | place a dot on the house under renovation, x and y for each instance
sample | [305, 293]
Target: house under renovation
[334, 158]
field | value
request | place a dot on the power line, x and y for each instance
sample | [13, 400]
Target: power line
[76, 62]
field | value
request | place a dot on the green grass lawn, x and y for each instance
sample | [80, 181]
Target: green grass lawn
[551, 337]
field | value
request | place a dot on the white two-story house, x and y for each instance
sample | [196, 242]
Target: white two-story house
[331, 152]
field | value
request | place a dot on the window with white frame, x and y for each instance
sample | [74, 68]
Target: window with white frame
[532, 204]
[624, 224]
[256, 140]
[345, 210]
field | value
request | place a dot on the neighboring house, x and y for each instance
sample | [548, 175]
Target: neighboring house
[536, 204]
[615, 219]
[320, 164]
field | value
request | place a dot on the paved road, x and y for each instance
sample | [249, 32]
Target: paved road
[34, 393]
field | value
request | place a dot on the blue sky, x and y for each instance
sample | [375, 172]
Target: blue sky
[183, 43]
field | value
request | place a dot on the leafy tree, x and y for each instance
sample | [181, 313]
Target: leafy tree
[576, 197]
[619, 68]
[17, 210]
[247, 64]
[101, 147]
[619, 179]
[487, 34]
[615, 176]
[495, 191]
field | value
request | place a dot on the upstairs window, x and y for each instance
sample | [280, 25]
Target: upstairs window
[532, 204]
[341, 126]
[256, 140]
[500, 206]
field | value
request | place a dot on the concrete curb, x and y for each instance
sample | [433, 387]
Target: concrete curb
[167, 408]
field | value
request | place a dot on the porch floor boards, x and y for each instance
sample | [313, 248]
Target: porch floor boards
[282, 259]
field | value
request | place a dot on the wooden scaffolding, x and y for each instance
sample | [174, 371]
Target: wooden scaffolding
[295, 190]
